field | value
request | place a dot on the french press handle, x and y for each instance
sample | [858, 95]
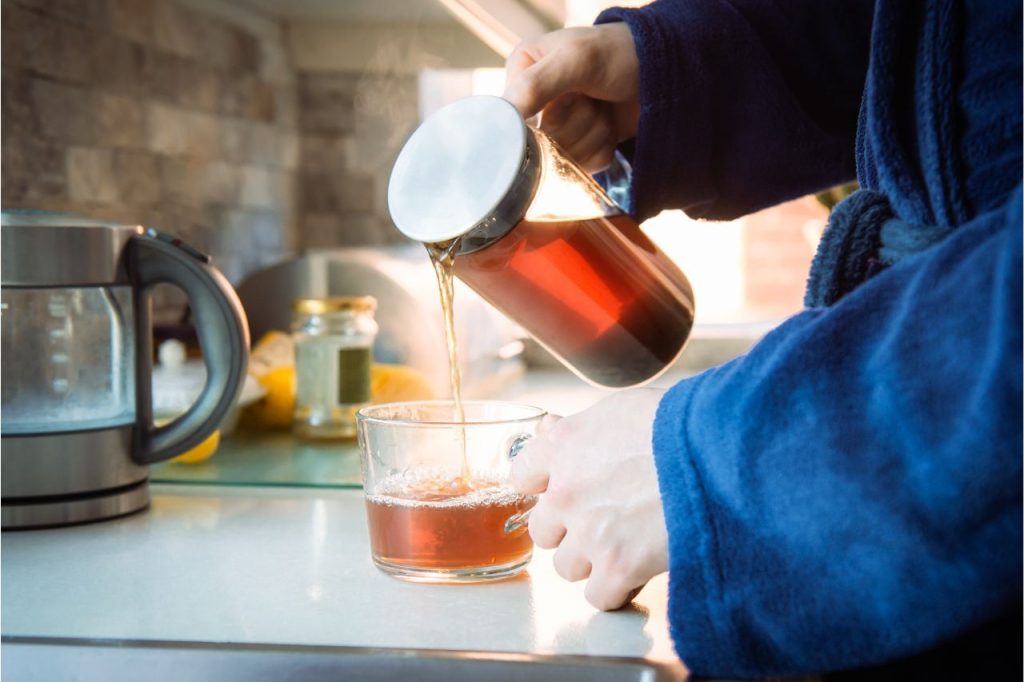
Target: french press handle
[223, 333]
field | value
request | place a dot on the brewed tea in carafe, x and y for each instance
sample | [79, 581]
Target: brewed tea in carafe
[540, 240]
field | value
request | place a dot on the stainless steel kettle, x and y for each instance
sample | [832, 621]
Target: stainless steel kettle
[76, 416]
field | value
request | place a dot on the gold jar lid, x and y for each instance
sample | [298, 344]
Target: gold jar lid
[333, 304]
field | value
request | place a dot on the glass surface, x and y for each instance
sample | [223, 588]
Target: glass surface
[269, 459]
[68, 359]
[439, 506]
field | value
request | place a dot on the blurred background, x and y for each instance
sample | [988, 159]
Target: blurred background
[260, 129]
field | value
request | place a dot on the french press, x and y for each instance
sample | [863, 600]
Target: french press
[540, 240]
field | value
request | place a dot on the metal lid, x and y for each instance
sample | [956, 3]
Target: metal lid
[472, 165]
[333, 304]
[46, 249]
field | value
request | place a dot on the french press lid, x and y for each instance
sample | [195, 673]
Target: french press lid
[470, 170]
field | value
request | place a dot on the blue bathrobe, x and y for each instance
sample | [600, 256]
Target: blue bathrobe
[849, 492]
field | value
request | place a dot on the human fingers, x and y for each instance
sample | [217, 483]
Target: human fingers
[546, 527]
[532, 465]
[569, 119]
[594, 151]
[523, 56]
[570, 561]
[557, 72]
[609, 592]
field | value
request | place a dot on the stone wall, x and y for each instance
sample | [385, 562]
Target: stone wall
[153, 112]
[352, 126]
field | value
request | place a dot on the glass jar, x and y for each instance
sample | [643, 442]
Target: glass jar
[539, 239]
[333, 360]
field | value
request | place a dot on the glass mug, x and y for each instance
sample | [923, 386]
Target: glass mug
[438, 501]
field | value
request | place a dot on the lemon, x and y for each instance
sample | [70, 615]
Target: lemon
[390, 383]
[274, 410]
[201, 452]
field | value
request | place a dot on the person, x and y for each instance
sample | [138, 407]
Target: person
[847, 494]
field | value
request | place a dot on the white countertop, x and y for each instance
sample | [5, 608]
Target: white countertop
[291, 566]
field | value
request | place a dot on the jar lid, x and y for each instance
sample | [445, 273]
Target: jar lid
[334, 304]
[469, 165]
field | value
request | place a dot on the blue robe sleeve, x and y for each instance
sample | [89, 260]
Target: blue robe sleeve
[744, 103]
[850, 490]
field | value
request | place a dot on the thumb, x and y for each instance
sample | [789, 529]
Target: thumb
[531, 467]
[534, 87]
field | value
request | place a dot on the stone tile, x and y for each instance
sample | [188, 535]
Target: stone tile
[170, 130]
[91, 175]
[286, 106]
[327, 102]
[275, 66]
[259, 188]
[160, 75]
[230, 49]
[267, 228]
[248, 97]
[137, 174]
[16, 111]
[356, 229]
[202, 134]
[19, 28]
[340, 192]
[177, 29]
[179, 80]
[261, 228]
[39, 5]
[120, 121]
[222, 183]
[235, 135]
[290, 151]
[233, 95]
[33, 170]
[264, 146]
[181, 179]
[90, 13]
[324, 153]
[316, 194]
[118, 65]
[64, 112]
[48, 46]
[317, 230]
[261, 104]
[202, 88]
[132, 19]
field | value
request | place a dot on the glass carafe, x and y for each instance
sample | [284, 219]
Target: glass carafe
[74, 366]
[540, 239]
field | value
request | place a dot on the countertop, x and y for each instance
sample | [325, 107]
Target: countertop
[290, 564]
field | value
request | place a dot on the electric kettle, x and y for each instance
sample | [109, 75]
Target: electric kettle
[76, 416]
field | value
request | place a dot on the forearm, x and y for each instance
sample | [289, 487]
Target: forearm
[849, 491]
[744, 103]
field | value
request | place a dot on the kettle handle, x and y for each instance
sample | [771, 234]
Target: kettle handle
[223, 336]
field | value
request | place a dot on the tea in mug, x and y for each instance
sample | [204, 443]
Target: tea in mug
[447, 524]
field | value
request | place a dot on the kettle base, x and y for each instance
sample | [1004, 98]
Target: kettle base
[67, 510]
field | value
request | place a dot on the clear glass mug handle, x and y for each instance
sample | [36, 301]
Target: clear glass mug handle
[519, 520]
